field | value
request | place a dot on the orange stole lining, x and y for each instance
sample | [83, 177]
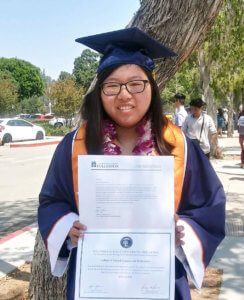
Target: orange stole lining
[79, 148]
[172, 134]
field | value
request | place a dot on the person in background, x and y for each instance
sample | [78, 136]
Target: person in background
[198, 126]
[241, 136]
[123, 116]
[181, 113]
[225, 114]
[220, 121]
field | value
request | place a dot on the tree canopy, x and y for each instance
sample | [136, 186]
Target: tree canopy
[32, 105]
[28, 76]
[65, 75]
[65, 97]
[85, 68]
[8, 94]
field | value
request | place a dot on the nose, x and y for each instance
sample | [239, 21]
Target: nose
[124, 94]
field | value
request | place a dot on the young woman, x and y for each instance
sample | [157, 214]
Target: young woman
[123, 116]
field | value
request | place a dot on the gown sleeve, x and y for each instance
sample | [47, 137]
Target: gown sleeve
[202, 213]
[57, 210]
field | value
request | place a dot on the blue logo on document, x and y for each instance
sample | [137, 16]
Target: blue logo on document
[93, 164]
[126, 242]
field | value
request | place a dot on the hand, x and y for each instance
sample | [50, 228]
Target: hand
[218, 152]
[178, 232]
[75, 232]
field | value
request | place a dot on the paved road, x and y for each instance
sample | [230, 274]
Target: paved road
[22, 171]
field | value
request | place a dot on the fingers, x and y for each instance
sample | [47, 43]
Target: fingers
[179, 234]
[78, 225]
[75, 232]
[176, 217]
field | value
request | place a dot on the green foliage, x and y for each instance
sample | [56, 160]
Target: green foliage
[65, 98]
[32, 105]
[26, 75]
[224, 45]
[8, 95]
[65, 75]
[51, 130]
[85, 68]
[185, 81]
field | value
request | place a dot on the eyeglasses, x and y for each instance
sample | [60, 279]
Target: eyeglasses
[133, 87]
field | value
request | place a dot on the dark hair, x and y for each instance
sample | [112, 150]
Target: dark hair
[180, 97]
[220, 112]
[93, 112]
[198, 102]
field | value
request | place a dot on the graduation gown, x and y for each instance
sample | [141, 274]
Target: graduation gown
[199, 202]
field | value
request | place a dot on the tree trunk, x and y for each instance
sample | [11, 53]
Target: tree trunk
[178, 24]
[230, 97]
[44, 286]
[204, 70]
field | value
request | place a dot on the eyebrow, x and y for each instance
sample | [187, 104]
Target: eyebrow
[130, 78]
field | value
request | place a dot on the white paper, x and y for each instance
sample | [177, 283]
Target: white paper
[121, 199]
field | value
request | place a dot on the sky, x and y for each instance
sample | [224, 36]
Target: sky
[44, 32]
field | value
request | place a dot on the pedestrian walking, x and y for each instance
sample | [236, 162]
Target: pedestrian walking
[226, 117]
[181, 113]
[198, 126]
[241, 136]
[220, 121]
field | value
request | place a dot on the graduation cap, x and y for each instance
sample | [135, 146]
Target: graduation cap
[126, 46]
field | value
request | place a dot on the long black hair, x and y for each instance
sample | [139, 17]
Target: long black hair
[93, 113]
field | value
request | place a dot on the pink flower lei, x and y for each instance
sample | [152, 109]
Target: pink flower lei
[145, 143]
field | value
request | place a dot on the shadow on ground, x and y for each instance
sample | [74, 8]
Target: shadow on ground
[17, 215]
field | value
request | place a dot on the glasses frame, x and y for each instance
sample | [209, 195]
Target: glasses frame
[145, 81]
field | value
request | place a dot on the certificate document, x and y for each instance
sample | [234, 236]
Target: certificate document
[127, 204]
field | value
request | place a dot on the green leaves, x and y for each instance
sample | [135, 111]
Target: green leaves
[85, 68]
[27, 76]
[65, 97]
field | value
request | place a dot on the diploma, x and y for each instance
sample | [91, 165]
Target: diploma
[127, 204]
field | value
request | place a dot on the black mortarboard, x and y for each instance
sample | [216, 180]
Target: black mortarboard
[126, 46]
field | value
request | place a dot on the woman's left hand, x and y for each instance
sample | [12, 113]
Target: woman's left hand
[178, 232]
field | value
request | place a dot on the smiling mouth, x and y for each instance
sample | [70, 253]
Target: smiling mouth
[125, 107]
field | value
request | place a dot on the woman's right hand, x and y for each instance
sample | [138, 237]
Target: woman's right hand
[76, 232]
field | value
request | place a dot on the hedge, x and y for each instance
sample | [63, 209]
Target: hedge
[50, 129]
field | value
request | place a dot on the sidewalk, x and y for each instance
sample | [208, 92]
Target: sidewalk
[230, 254]
[18, 247]
[49, 140]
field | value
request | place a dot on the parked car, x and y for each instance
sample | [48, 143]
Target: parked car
[44, 117]
[60, 121]
[12, 130]
[35, 116]
[24, 116]
[57, 122]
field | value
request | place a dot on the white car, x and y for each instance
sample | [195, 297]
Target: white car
[12, 130]
[59, 121]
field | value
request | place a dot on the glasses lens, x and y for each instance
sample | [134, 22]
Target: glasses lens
[136, 86]
[111, 88]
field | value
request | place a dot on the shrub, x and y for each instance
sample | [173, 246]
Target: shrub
[51, 130]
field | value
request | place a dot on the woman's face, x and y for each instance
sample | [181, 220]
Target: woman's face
[127, 109]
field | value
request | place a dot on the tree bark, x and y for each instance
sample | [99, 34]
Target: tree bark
[230, 97]
[178, 24]
[42, 284]
[204, 70]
